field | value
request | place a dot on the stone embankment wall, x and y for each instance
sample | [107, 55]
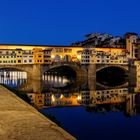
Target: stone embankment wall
[20, 121]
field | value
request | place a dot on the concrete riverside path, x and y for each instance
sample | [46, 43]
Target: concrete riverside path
[20, 121]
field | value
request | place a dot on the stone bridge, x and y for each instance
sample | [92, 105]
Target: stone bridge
[35, 71]
[75, 66]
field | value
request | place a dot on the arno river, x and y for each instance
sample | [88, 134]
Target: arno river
[87, 109]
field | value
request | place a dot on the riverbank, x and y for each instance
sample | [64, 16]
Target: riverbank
[20, 121]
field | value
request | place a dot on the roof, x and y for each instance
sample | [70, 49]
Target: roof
[32, 45]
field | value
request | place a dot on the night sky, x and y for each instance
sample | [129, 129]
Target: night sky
[61, 22]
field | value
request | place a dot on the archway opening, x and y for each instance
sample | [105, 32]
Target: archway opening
[112, 76]
[57, 58]
[60, 77]
[67, 58]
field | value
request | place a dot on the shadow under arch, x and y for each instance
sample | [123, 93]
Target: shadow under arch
[73, 67]
[101, 86]
[112, 76]
[101, 67]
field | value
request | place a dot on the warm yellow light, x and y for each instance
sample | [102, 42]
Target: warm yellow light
[61, 96]
[53, 99]
[79, 56]
[52, 56]
[79, 97]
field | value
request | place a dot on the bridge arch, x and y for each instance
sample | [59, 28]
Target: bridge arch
[57, 58]
[112, 75]
[75, 67]
[25, 68]
[101, 67]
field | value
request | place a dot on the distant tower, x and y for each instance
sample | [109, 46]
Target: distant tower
[131, 40]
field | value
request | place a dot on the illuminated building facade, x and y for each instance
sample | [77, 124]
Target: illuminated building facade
[28, 57]
[95, 54]
[38, 56]
[8, 56]
[19, 58]
[50, 99]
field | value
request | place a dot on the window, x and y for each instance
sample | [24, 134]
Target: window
[25, 56]
[59, 49]
[68, 50]
[19, 61]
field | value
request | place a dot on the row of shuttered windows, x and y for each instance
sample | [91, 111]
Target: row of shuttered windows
[12, 56]
[9, 61]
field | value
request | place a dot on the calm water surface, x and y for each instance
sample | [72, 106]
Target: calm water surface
[87, 110]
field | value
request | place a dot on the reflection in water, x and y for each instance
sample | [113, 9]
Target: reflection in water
[84, 111]
[56, 81]
[13, 78]
[96, 101]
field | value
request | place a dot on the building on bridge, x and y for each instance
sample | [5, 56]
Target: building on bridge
[104, 56]
[98, 54]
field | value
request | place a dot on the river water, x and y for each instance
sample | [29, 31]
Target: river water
[85, 108]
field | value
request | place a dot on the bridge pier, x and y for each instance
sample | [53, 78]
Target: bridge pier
[37, 72]
[92, 71]
[132, 75]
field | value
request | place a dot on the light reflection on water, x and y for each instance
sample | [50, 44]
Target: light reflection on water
[13, 78]
[85, 112]
[56, 81]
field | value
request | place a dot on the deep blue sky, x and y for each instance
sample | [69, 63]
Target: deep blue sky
[61, 22]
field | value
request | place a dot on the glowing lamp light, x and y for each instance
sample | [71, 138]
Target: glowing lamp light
[52, 56]
[53, 99]
[61, 96]
[79, 56]
[79, 98]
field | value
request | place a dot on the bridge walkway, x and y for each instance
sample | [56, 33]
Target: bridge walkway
[20, 121]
